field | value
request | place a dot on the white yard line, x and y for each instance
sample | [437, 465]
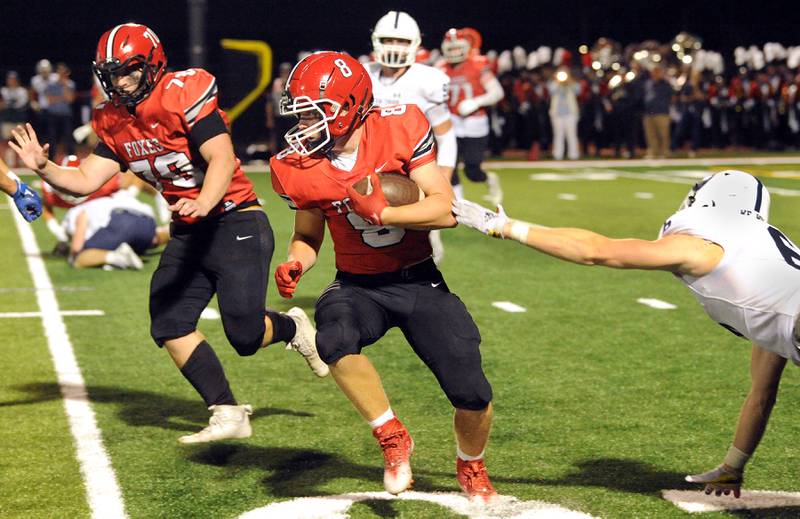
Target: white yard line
[210, 314]
[658, 304]
[508, 306]
[64, 313]
[102, 490]
[505, 507]
[695, 501]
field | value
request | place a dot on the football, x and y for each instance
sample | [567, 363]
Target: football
[397, 188]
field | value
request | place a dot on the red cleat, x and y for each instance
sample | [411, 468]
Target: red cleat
[397, 446]
[474, 481]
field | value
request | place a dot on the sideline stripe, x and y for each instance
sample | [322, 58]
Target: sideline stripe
[68, 313]
[102, 489]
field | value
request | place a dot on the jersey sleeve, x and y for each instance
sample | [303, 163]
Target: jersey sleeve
[481, 64]
[99, 125]
[420, 135]
[276, 169]
[198, 95]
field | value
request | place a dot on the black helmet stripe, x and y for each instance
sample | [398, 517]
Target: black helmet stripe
[759, 195]
[110, 42]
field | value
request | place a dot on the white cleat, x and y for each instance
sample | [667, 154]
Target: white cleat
[495, 195]
[304, 341]
[437, 246]
[124, 257]
[226, 423]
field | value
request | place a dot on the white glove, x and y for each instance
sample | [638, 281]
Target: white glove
[467, 106]
[721, 480]
[479, 218]
[56, 230]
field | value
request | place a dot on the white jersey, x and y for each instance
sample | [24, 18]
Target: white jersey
[98, 211]
[421, 85]
[472, 126]
[754, 291]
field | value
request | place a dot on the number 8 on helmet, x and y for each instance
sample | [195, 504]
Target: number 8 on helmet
[330, 93]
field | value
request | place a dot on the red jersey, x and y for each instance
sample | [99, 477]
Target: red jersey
[395, 138]
[465, 80]
[54, 199]
[155, 142]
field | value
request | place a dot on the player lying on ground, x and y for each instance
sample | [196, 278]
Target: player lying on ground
[112, 230]
[167, 128]
[28, 202]
[745, 273]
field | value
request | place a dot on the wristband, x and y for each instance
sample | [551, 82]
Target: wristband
[519, 231]
[736, 459]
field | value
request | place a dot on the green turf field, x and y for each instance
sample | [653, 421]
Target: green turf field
[601, 402]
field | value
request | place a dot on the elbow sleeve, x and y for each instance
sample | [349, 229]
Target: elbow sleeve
[446, 148]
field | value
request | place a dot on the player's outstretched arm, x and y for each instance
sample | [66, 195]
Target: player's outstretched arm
[766, 369]
[7, 184]
[93, 172]
[675, 253]
[28, 201]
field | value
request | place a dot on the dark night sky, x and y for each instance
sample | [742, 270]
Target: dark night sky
[69, 31]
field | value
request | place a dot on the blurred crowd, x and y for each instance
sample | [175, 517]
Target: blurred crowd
[657, 97]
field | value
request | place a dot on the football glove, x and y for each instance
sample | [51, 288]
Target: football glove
[369, 206]
[721, 480]
[287, 275]
[479, 218]
[28, 202]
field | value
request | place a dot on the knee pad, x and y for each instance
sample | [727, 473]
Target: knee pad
[466, 388]
[468, 392]
[245, 336]
[335, 340]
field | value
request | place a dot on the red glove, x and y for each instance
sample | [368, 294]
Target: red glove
[369, 207]
[286, 277]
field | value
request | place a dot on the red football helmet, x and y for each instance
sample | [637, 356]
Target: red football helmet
[331, 86]
[458, 43]
[474, 38]
[128, 48]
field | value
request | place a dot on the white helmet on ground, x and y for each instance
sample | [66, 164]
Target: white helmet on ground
[730, 189]
[396, 25]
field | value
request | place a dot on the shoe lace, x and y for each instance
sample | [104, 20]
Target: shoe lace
[477, 478]
[393, 446]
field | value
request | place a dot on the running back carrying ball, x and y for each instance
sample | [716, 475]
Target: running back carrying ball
[397, 188]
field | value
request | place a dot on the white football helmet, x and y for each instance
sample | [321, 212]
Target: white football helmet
[730, 189]
[396, 25]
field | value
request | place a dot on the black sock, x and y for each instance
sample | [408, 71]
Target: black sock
[204, 372]
[283, 327]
